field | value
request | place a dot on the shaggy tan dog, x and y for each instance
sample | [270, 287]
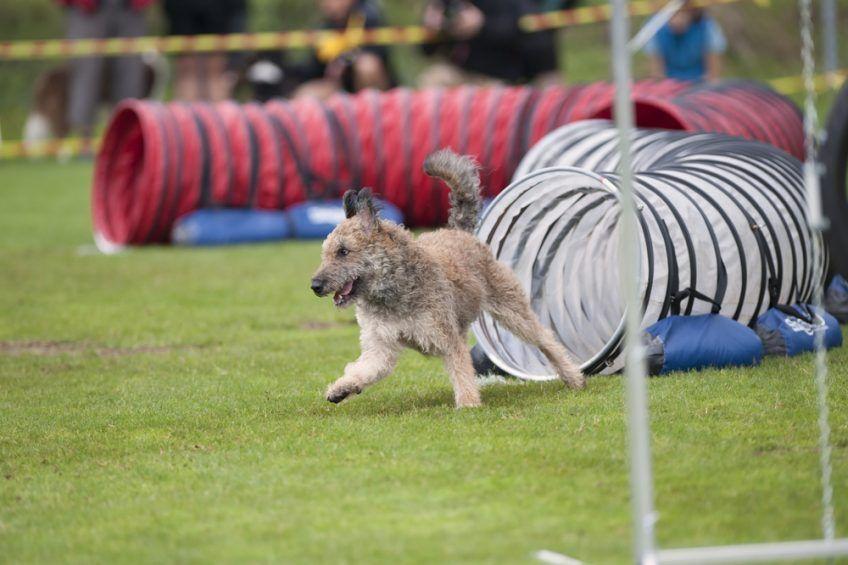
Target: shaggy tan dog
[424, 293]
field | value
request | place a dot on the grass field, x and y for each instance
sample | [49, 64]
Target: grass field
[166, 405]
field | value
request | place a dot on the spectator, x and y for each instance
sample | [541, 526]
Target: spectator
[338, 64]
[688, 47]
[204, 76]
[86, 19]
[482, 42]
[540, 50]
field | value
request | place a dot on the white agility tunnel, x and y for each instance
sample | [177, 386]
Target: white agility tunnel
[645, 518]
[722, 227]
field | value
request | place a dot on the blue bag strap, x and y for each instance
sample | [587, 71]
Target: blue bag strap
[773, 281]
[686, 293]
[800, 311]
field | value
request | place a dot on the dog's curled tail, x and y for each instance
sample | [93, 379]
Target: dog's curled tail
[460, 172]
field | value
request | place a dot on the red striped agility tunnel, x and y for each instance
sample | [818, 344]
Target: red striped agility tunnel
[158, 161]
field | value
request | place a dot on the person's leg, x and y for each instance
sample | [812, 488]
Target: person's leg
[86, 72]
[236, 60]
[441, 75]
[320, 88]
[550, 78]
[478, 79]
[187, 83]
[217, 79]
[127, 72]
[369, 72]
[187, 67]
[212, 18]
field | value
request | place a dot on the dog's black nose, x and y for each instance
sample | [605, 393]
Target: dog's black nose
[317, 286]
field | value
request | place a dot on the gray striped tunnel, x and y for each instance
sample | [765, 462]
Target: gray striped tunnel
[722, 228]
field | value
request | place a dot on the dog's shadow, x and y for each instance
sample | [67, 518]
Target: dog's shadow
[398, 402]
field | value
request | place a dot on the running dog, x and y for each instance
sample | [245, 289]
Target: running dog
[424, 293]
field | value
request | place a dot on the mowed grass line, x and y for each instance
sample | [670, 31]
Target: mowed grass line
[166, 405]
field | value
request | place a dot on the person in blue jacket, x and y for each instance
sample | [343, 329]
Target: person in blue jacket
[689, 47]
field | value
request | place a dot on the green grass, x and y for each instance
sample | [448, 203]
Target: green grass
[173, 411]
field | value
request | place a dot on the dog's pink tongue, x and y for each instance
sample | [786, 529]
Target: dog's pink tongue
[339, 295]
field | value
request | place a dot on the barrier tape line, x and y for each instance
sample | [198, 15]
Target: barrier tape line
[75, 146]
[795, 84]
[601, 13]
[301, 39]
[66, 147]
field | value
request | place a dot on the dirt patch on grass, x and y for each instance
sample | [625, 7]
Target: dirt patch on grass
[52, 348]
[317, 325]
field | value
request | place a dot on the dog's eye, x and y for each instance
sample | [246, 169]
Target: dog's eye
[343, 251]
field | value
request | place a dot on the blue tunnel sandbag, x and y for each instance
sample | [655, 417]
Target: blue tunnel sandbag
[836, 299]
[484, 205]
[228, 226]
[482, 364]
[686, 343]
[317, 218]
[790, 330]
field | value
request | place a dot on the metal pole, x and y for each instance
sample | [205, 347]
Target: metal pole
[641, 479]
[829, 36]
[817, 224]
[650, 29]
[754, 553]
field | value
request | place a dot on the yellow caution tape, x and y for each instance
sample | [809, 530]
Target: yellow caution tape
[795, 84]
[602, 13]
[337, 45]
[301, 39]
[331, 41]
[61, 148]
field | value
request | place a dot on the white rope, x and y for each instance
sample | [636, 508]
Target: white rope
[650, 29]
[811, 175]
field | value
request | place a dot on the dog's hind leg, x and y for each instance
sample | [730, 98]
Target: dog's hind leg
[376, 362]
[458, 365]
[507, 303]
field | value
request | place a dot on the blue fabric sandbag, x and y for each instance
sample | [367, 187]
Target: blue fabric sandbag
[484, 205]
[482, 364]
[789, 330]
[228, 226]
[316, 219]
[836, 299]
[685, 343]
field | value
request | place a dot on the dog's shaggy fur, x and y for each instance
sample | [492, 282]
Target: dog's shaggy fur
[424, 293]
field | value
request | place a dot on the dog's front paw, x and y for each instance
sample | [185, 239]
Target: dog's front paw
[571, 376]
[469, 400]
[575, 380]
[338, 391]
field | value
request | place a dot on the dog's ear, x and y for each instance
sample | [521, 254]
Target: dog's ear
[367, 211]
[350, 203]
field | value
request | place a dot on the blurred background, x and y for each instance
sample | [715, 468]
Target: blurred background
[759, 46]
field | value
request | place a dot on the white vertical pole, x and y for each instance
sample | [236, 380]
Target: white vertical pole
[829, 36]
[817, 224]
[641, 479]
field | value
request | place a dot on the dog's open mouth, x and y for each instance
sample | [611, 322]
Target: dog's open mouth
[345, 295]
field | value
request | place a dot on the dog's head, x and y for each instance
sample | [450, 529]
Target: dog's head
[353, 253]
